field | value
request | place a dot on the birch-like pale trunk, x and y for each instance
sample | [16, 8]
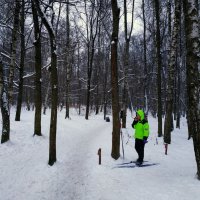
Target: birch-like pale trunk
[171, 73]
[193, 74]
[4, 105]
[47, 97]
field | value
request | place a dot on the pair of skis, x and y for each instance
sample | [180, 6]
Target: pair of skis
[133, 164]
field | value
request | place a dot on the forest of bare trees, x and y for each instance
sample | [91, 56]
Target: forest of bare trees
[93, 56]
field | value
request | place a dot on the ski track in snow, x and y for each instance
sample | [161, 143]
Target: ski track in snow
[79, 161]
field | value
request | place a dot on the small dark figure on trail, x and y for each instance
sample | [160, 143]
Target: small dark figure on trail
[141, 126]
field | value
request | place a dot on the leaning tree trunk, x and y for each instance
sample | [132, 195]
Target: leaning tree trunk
[4, 105]
[114, 82]
[159, 67]
[21, 70]
[193, 74]
[171, 74]
[54, 86]
[38, 66]
[13, 48]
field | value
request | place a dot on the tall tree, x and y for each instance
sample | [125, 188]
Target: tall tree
[114, 82]
[68, 65]
[145, 57]
[127, 35]
[4, 104]
[54, 83]
[38, 66]
[193, 74]
[159, 67]
[171, 73]
[22, 58]
[15, 29]
[92, 23]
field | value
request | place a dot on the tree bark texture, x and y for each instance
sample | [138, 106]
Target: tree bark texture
[21, 69]
[68, 65]
[171, 73]
[126, 93]
[114, 82]
[38, 76]
[92, 24]
[193, 75]
[145, 59]
[159, 67]
[54, 86]
[4, 105]
[13, 48]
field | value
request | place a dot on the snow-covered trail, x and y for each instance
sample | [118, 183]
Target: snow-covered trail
[24, 169]
[26, 175]
[82, 147]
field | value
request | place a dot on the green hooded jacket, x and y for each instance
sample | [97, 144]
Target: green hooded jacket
[146, 129]
[138, 126]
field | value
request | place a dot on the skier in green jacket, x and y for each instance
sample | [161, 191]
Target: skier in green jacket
[141, 126]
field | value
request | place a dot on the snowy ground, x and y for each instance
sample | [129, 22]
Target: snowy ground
[25, 174]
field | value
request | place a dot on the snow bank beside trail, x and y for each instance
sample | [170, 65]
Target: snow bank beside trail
[25, 174]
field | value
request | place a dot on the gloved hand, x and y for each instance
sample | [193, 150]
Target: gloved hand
[145, 141]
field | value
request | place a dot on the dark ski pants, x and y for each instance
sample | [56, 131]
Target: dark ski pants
[139, 147]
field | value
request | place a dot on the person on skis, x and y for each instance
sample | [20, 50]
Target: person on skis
[141, 134]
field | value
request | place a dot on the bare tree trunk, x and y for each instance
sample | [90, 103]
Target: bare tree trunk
[105, 94]
[79, 82]
[38, 66]
[46, 98]
[28, 101]
[92, 30]
[89, 69]
[159, 67]
[145, 58]
[4, 105]
[114, 80]
[171, 74]
[97, 72]
[193, 74]
[21, 70]
[126, 62]
[68, 61]
[180, 61]
[13, 49]
[54, 86]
